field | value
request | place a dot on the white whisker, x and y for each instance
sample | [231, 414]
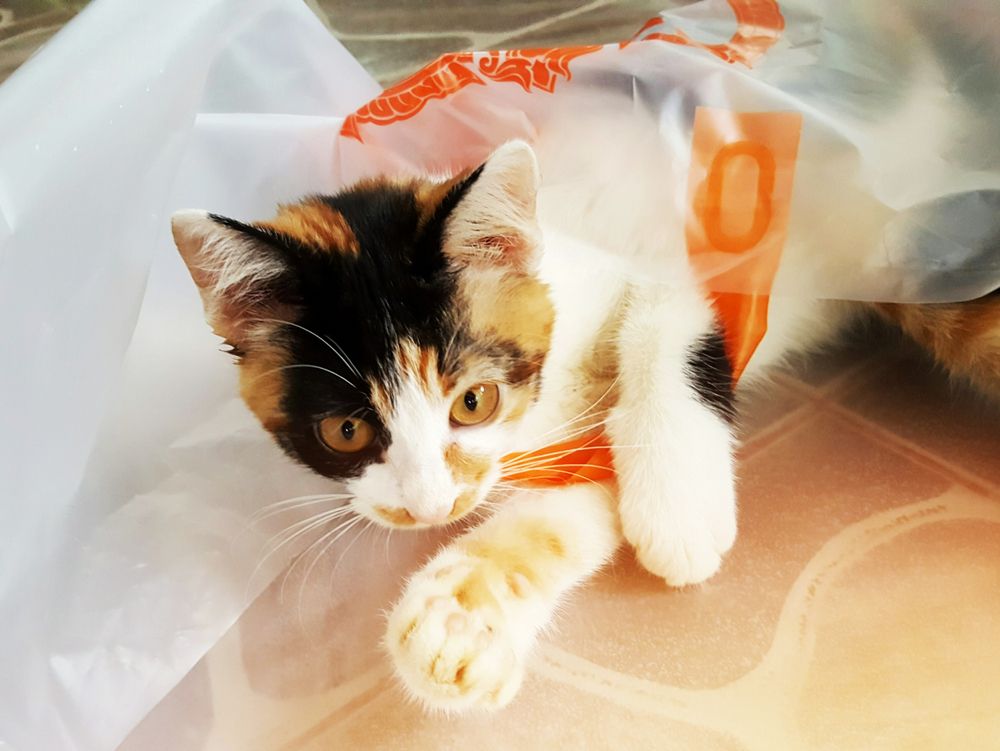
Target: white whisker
[334, 347]
[340, 531]
[291, 504]
[291, 529]
[306, 365]
[303, 527]
[369, 525]
[582, 414]
[538, 461]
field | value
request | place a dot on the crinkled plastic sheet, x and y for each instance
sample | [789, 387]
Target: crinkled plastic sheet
[126, 470]
[130, 469]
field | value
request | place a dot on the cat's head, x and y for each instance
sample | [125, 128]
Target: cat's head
[390, 336]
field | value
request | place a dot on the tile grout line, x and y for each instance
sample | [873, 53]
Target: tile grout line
[774, 431]
[911, 450]
[815, 398]
[882, 434]
[849, 377]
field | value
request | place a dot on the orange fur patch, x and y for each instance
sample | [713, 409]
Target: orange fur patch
[398, 516]
[316, 225]
[405, 636]
[521, 557]
[422, 364]
[462, 504]
[380, 400]
[518, 585]
[514, 306]
[964, 337]
[468, 469]
[475, 590]
[262, 384]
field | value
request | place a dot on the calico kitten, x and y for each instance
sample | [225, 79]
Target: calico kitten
[402, 336]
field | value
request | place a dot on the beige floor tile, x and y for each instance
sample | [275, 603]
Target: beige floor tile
[546, 715]
[762, 409]
[911, 398]
[907, 654]
[795, 494]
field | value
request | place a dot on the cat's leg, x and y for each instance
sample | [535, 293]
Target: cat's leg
[964, 337]
[673, 435]
[461, 632]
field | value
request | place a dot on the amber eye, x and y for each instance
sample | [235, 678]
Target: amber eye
[476, 405]
[346, 435]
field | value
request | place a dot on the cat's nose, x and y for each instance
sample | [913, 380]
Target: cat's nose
[435, 515]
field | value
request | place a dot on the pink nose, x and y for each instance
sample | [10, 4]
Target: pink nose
[431, 516]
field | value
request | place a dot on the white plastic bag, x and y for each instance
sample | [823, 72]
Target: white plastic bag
[118, 567]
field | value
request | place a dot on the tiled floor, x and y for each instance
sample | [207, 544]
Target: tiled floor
[859, 609]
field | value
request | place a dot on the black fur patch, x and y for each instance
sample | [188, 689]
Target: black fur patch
[398, 285]
[711, 375]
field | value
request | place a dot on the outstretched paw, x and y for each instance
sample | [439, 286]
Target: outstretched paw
[450, 640]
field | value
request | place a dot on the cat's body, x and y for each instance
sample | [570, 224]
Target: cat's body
[404, 337]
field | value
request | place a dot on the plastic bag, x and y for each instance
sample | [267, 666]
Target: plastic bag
[132, 472]
[118, 566]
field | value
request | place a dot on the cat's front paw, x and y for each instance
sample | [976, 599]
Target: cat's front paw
[686, 554]
[450, 641]
[683, 545]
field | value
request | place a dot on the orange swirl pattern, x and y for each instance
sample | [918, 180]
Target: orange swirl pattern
[446, 75]
[759, 25]
[539, 69]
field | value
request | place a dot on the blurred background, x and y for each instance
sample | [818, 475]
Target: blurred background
[392, 38]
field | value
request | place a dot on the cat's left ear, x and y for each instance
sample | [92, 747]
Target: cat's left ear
[243, 277]
[495, 221]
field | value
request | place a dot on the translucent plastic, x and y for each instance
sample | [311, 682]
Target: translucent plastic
[130, 470]
[855, 141]
[119, 557]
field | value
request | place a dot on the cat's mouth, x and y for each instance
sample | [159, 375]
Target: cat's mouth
[400, 517]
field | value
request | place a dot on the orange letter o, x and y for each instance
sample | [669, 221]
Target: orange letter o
[712, 218]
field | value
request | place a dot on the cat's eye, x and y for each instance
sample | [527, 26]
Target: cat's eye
[476, 405]
[345, 435]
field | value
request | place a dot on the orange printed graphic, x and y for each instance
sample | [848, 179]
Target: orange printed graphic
[446, 75]
[538, 69]
[759, 25]
[762, 211]
[740, 192]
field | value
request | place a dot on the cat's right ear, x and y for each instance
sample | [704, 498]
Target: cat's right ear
[494, 222]
[242, 277]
